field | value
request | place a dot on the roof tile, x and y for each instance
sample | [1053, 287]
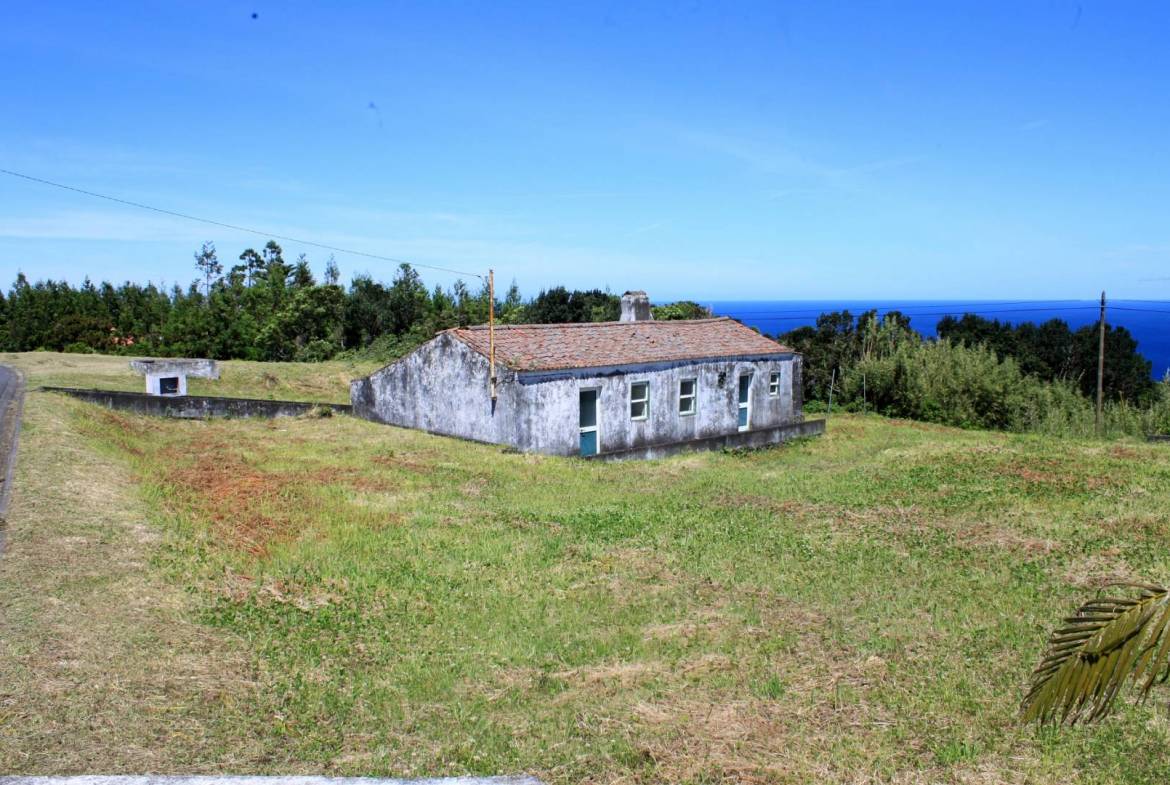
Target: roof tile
[548, 347]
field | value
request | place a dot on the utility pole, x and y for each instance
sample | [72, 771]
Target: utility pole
[1100, 368]
[832, 384]
[492, 335]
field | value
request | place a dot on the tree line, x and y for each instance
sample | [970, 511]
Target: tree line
[980, 373]
[266, 308]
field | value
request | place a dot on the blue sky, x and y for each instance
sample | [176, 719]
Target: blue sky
[707, 150]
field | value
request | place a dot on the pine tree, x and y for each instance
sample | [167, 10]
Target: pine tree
[209, 266]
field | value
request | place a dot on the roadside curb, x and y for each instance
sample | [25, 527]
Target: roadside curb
[11, 410]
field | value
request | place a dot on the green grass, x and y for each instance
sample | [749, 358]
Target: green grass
[326, 382]
[864, 606]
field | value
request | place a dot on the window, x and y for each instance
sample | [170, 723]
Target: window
[639, 400]
[168, 385]
[686, 397]
[773, 385]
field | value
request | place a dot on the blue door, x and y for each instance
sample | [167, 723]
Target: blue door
[588, 422]
[745, 401]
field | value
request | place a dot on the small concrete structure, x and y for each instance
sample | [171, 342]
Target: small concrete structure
[169, 376]
[635, 388]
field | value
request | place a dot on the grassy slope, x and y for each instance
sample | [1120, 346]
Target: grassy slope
[328, 381]
[102, 664]
[861, 607]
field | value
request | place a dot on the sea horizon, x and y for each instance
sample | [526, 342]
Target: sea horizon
[1148, 321]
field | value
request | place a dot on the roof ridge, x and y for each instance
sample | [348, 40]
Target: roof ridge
[602, 344]
[562, 325]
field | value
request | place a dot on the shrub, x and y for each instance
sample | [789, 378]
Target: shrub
[316, 351]
[970, 387]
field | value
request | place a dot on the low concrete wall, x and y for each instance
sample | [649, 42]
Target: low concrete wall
[738, 440]
[194, 407]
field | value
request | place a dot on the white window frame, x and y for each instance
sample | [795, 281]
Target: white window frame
[644, 401]
[774, 384]
[694, 397]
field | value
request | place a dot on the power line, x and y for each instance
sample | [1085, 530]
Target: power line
[211, 222]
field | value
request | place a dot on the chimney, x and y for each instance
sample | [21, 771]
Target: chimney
[636, 307]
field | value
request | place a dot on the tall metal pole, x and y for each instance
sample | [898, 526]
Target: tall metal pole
[492, 333]
[1100, 368]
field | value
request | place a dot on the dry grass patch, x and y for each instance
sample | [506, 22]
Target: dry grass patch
[859, 608]
[101, 666]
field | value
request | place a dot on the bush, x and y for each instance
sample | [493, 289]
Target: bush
[938, 381]
[970, 387]
[316, 351]
[386, 348]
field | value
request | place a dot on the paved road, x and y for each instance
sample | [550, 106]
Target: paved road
[11, 402]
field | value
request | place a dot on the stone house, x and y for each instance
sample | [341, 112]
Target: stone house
[631, 388]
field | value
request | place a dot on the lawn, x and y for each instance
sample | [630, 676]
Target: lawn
[330, 595]
[326, 382]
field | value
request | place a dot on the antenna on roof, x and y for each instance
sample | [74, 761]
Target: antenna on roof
[492, 335]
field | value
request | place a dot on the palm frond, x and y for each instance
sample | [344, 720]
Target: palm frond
[1090, 657]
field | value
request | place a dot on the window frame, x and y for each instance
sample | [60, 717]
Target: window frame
[644, 401]
[774, 384]
[693, 396]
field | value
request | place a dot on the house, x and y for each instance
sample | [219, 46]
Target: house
[631, 388]
[169, 376]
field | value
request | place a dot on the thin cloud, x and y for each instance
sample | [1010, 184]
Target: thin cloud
[650, 227]
[787, 161]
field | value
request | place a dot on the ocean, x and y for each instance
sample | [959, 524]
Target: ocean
[1147, 320]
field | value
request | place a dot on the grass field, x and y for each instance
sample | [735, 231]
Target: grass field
[326, 382]
[329, 595]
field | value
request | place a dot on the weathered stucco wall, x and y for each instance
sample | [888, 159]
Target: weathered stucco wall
[443, 388]
[173, 366]
[554, 403]
[194, 406]
[154, 383]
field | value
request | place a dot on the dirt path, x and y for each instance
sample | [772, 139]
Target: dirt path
[103, 666]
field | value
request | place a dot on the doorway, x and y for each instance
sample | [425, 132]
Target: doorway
[745, 401]
[588, 422]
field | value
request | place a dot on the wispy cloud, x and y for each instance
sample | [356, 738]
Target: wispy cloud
[1033, 125]
[121, 226]
[650, 227]
[803, 173]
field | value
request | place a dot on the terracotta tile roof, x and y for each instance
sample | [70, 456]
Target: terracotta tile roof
[548, 347]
